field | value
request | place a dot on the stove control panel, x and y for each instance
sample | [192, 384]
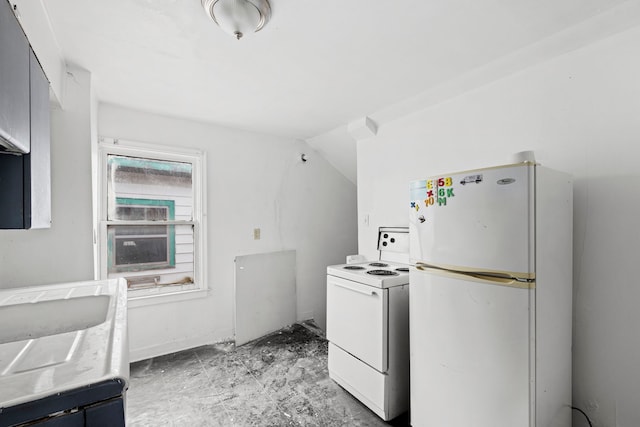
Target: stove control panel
[393, 239]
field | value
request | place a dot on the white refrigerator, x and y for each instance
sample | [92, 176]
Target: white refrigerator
[491, 298]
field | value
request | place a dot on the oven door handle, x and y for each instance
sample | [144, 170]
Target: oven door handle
[360, 291]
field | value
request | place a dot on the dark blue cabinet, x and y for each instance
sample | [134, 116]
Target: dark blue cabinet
[25, 179]
[96, 405]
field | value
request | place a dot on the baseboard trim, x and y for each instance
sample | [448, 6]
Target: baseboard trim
[137, 354]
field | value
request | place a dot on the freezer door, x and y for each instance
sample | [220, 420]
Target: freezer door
[470, 352]
[357, 320]
[479, 220]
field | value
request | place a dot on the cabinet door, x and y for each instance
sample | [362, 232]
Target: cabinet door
[25, 180]
[12, 185]
[39, 163]
[106, 414]
[14, 81]
[74, 419]
[357, 320]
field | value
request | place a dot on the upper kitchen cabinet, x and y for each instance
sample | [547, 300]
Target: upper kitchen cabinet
[14, 83]
[25, 170]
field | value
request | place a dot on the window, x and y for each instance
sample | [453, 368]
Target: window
[143, 247]
[150, 207]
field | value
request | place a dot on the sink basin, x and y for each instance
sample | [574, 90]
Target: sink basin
[60, 339]
[32, 320]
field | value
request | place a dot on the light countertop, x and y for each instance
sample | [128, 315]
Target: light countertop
[60, 337]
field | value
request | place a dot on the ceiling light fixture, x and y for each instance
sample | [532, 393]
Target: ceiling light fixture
[238, 17]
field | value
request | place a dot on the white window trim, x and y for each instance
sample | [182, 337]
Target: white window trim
[142, 297]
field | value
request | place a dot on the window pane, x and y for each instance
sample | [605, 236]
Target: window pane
[142, 213]
[151, 255]
[148, 189]
[141, 247]
[141, 250]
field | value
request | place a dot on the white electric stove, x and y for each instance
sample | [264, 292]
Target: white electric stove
[379, 274]
[368, 326]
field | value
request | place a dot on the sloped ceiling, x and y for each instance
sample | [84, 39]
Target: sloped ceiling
[316, 65]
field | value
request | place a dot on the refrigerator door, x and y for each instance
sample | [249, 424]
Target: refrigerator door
[480, 220]
[470, 352]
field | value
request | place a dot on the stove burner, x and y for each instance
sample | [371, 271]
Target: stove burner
[403, 269]
[353, 267]
[382, 273]
[378, 264]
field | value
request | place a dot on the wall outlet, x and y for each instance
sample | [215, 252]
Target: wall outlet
[256, 234]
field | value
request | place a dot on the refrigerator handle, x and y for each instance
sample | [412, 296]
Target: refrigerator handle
[497, 278]
[360, 291]
[428, 267]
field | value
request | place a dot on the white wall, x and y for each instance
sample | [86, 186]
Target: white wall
[339, 148]
[579, 113]
[253, 181]
[63, 252]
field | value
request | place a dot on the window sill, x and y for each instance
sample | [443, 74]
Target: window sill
[140, 298]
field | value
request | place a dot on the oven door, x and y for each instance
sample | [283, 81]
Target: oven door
[357, 320]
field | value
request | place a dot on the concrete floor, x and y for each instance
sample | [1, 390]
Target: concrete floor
[277, 380]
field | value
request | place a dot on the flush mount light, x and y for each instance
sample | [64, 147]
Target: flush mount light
[238, 17]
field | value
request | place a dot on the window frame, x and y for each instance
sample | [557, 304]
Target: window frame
[197, 159]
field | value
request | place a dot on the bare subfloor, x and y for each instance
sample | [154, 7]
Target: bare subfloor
[278, 380]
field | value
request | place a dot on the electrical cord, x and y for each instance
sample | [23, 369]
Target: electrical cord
[583, 413]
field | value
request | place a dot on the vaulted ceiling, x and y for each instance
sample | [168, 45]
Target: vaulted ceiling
[314, 67]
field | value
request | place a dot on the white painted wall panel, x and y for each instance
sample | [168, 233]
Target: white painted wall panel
[252, 181]
[579, 113]
[265, 294]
